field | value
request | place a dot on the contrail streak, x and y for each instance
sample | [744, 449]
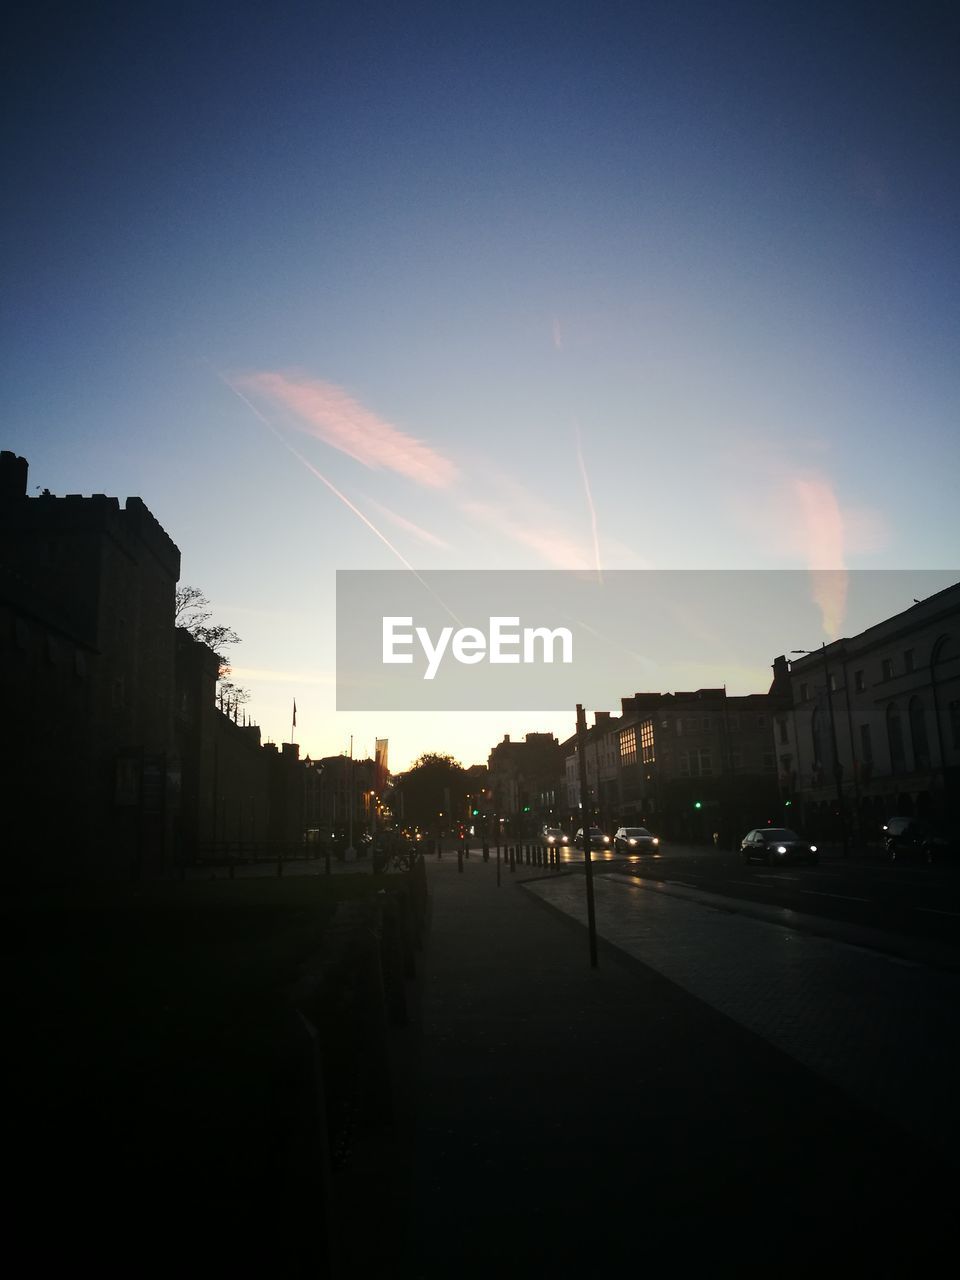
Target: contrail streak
[333, 489]
[592, 508]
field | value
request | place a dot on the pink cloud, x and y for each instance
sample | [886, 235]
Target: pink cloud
[548, 542]
[328, 413]
[408, 526]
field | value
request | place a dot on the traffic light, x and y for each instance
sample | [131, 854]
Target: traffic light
[787, 804]
[526, 808]
[698, 804]
[475, 812]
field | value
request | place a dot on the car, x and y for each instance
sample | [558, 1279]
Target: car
[597, 839]
[635, 840]
[912, 840]
[554, 836]
[777, 845]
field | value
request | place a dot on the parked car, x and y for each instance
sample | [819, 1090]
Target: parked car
[911, 840]
[554, 836]
[597, 839]
[777, 844]
[635, 840]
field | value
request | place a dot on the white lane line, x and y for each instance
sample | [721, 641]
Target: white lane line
[819, 893]
[935, 912]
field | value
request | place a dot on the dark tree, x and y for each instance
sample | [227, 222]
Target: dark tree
[435, 784]
[194, 613]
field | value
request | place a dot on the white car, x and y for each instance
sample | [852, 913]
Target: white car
[635, 840]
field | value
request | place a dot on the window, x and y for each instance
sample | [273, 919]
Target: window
[832, 682]
[733, 724]
[803, 692]
[815, 739]
[692, 724]
[628, 746]
[646, 741]
[786, 765]
[736, 760]
[695, 764]
[769, 762]
[886, 669]
[705, 724]
[866, 744]
[898, 762]
[858, 681]
[782, 727]
[918, 734]
[908, 659]
[761, 722]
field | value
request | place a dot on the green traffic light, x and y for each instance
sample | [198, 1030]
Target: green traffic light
[787, 803]
[697, 804]
[475, 812]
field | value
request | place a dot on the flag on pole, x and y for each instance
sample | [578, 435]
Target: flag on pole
[294, 713]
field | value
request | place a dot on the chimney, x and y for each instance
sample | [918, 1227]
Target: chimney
[13, 476]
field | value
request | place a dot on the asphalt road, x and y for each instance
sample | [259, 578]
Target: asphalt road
[908, 900]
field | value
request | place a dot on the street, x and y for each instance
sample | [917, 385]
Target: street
[906, 901]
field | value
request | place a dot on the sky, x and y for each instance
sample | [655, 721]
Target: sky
[584, 286]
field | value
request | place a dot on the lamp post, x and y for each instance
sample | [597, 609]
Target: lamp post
[833, 744]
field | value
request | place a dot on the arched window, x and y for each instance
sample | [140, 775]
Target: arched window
[815, 737]
[918, 734]
[898, 763]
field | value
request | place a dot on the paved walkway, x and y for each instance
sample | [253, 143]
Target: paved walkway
[575, 1121]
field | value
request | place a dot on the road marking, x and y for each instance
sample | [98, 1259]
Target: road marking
[935, 912]
[819, 893]
[771, 877]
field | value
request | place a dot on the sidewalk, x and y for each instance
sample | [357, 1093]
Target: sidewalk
[574, 1121]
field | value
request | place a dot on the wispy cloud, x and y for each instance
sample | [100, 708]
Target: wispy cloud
[264, 675]
[589, 496]
[330, 414]
[548, 541]
[408, 526]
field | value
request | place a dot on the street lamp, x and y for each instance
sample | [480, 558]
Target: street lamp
[833, 744]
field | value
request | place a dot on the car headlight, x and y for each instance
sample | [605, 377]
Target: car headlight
[781, 848]
[813, 848]
[632, 841]
[606, 839]
[656, 839]
[549, 839]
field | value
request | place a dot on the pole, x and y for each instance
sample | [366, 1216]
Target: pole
[350, 800]
[585, 824]
[836, 757]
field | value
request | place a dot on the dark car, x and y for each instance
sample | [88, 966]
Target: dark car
[597, 839]
[911, 840]
[635, 840]
[777, 844]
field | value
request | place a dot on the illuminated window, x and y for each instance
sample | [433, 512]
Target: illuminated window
[628, 746]
[646, 741]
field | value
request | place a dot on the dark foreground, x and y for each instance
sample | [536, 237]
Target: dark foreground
[576, 1122]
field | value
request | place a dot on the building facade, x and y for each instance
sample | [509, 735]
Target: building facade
[873, 726]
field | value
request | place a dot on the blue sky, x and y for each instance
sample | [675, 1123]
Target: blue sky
[653, 285]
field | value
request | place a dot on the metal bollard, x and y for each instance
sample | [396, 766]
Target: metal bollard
[512, 863]
[460, 859]
[326, 861]
[486, 853]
